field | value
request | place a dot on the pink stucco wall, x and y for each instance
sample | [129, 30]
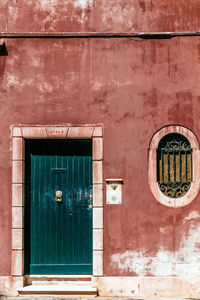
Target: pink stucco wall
[132, 86]
[99, 15]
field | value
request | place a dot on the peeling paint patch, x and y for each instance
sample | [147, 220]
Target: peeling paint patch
[141, 264]
[12, 12]
[48, 3]
[83, 3]
[35, 62]
[192, 215]
[12, 80]
[185, 261]
[125, 16]
[44, 87]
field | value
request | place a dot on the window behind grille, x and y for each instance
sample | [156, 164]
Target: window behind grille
[174, 165]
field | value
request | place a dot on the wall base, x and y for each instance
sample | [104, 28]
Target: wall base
[151, 287]
[134, 287]
[9, 285]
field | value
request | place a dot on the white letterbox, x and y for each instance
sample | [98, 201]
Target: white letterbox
[114, 191]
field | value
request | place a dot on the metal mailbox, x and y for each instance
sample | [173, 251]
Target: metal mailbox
[114, 191]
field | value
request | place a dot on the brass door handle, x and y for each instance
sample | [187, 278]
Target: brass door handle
[58, 196]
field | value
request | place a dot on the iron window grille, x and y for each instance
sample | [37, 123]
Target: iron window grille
[174, 165]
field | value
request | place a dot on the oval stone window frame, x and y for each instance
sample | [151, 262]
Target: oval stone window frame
[152, 167]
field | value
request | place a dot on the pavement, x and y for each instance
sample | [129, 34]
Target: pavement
[57, 297]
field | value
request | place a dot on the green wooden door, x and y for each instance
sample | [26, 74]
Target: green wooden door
[58, 235]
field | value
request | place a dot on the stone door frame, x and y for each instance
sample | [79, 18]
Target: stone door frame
[19, 134]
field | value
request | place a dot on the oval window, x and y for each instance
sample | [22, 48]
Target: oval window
[174, 165]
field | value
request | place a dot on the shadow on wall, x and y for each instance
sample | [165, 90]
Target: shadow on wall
[3, 50]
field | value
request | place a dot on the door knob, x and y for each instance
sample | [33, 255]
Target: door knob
[58, 196]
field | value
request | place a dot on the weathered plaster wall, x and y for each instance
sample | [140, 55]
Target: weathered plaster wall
[134, 88]
[99, 15]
